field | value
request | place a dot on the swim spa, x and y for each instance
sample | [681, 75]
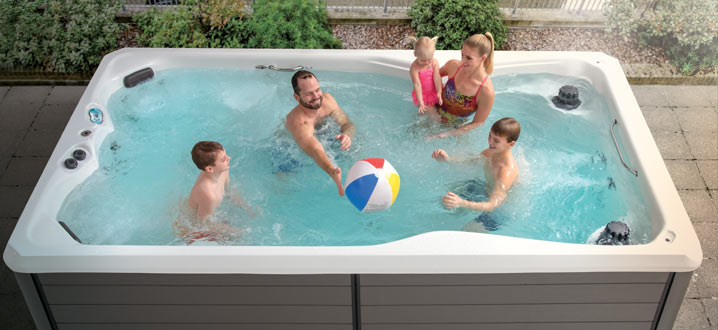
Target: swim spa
[439, 279]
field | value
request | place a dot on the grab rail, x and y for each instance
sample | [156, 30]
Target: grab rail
[620, 155]
[274, 67]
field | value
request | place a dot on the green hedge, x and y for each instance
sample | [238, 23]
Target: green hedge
[687, 29]
[221, 23]
[455, 20]
[64, 36]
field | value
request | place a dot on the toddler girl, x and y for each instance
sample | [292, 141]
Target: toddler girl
[424, 73]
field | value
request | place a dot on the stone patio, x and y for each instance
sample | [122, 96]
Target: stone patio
[683, 120]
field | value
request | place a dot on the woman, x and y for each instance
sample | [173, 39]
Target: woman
[469, 89]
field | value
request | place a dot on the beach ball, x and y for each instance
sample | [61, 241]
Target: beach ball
[372, 185]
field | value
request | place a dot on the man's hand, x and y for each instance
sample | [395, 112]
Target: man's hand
[440, 155]
[346, 141]
[337, 177]
[452, 201]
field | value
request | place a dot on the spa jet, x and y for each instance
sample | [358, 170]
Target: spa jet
[567, 98]
[615, 233]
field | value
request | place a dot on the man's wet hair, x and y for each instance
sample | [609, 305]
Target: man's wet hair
[301, 74]
[205, 152]
[507, 127]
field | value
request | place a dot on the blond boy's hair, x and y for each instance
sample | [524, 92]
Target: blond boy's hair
[204, 153]
[507, 127]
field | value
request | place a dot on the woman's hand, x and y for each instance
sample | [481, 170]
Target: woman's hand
[437, 136]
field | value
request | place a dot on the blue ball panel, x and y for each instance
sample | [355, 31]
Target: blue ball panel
[360, 190]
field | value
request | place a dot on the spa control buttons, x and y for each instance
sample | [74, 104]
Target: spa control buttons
[77, 156]
[70, 163]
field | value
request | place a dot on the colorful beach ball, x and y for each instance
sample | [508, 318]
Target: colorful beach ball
[372, 185]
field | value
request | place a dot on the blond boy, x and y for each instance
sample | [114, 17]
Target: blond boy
[499, 165]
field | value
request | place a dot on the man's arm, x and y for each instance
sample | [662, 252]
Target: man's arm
[313, 148]
[341, 118]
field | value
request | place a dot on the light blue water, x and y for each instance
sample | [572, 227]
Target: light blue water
[567, 162]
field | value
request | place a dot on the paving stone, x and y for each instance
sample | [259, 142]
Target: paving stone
[697, 119]
[672, 145]
[14, 312]
[26, 94]
[38, 143]
[707, 233]
[67, 95]
[13, 200]
[704, 145]
[53, 117]
[686, 96]
[707, 279]
[685, 174]
[709, 171]
[714, 196]
[699, 205]
[710, 92]
[661, 119]
[23, 171]
[711, 307]
[8, 284]
[4, 161]
[9, 142]
[692, 291]
[17, 116]
[649, 95]
[3, 91]
[691, 316]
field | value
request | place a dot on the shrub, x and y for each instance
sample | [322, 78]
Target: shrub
[193, 24]
[67, 36]
[176, 27]
[455, 20]
[686, 30]
[290, 24]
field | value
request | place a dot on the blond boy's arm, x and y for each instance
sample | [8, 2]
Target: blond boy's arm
[205, 206]
[497, 196]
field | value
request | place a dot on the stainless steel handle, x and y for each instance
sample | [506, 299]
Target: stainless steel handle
[274, 67]
[620, 155]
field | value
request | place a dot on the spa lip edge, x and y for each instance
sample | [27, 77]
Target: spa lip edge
[39, 244]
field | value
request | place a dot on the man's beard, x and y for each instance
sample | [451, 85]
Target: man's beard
[309, 106]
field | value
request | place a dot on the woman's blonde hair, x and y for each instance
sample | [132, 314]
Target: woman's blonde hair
[424, 47]
[485, 44]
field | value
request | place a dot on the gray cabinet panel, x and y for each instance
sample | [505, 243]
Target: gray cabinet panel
[200, 314]
[511, 294]
[235, 326]
[192, 279]
[510, 279]
[198, 295]
[509, 313]
[514, 326]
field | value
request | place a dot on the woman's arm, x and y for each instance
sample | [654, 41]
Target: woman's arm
[483, 109]
[437, 80]
[449, 68]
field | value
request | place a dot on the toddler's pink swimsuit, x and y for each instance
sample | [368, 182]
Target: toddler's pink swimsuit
[428, 89]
